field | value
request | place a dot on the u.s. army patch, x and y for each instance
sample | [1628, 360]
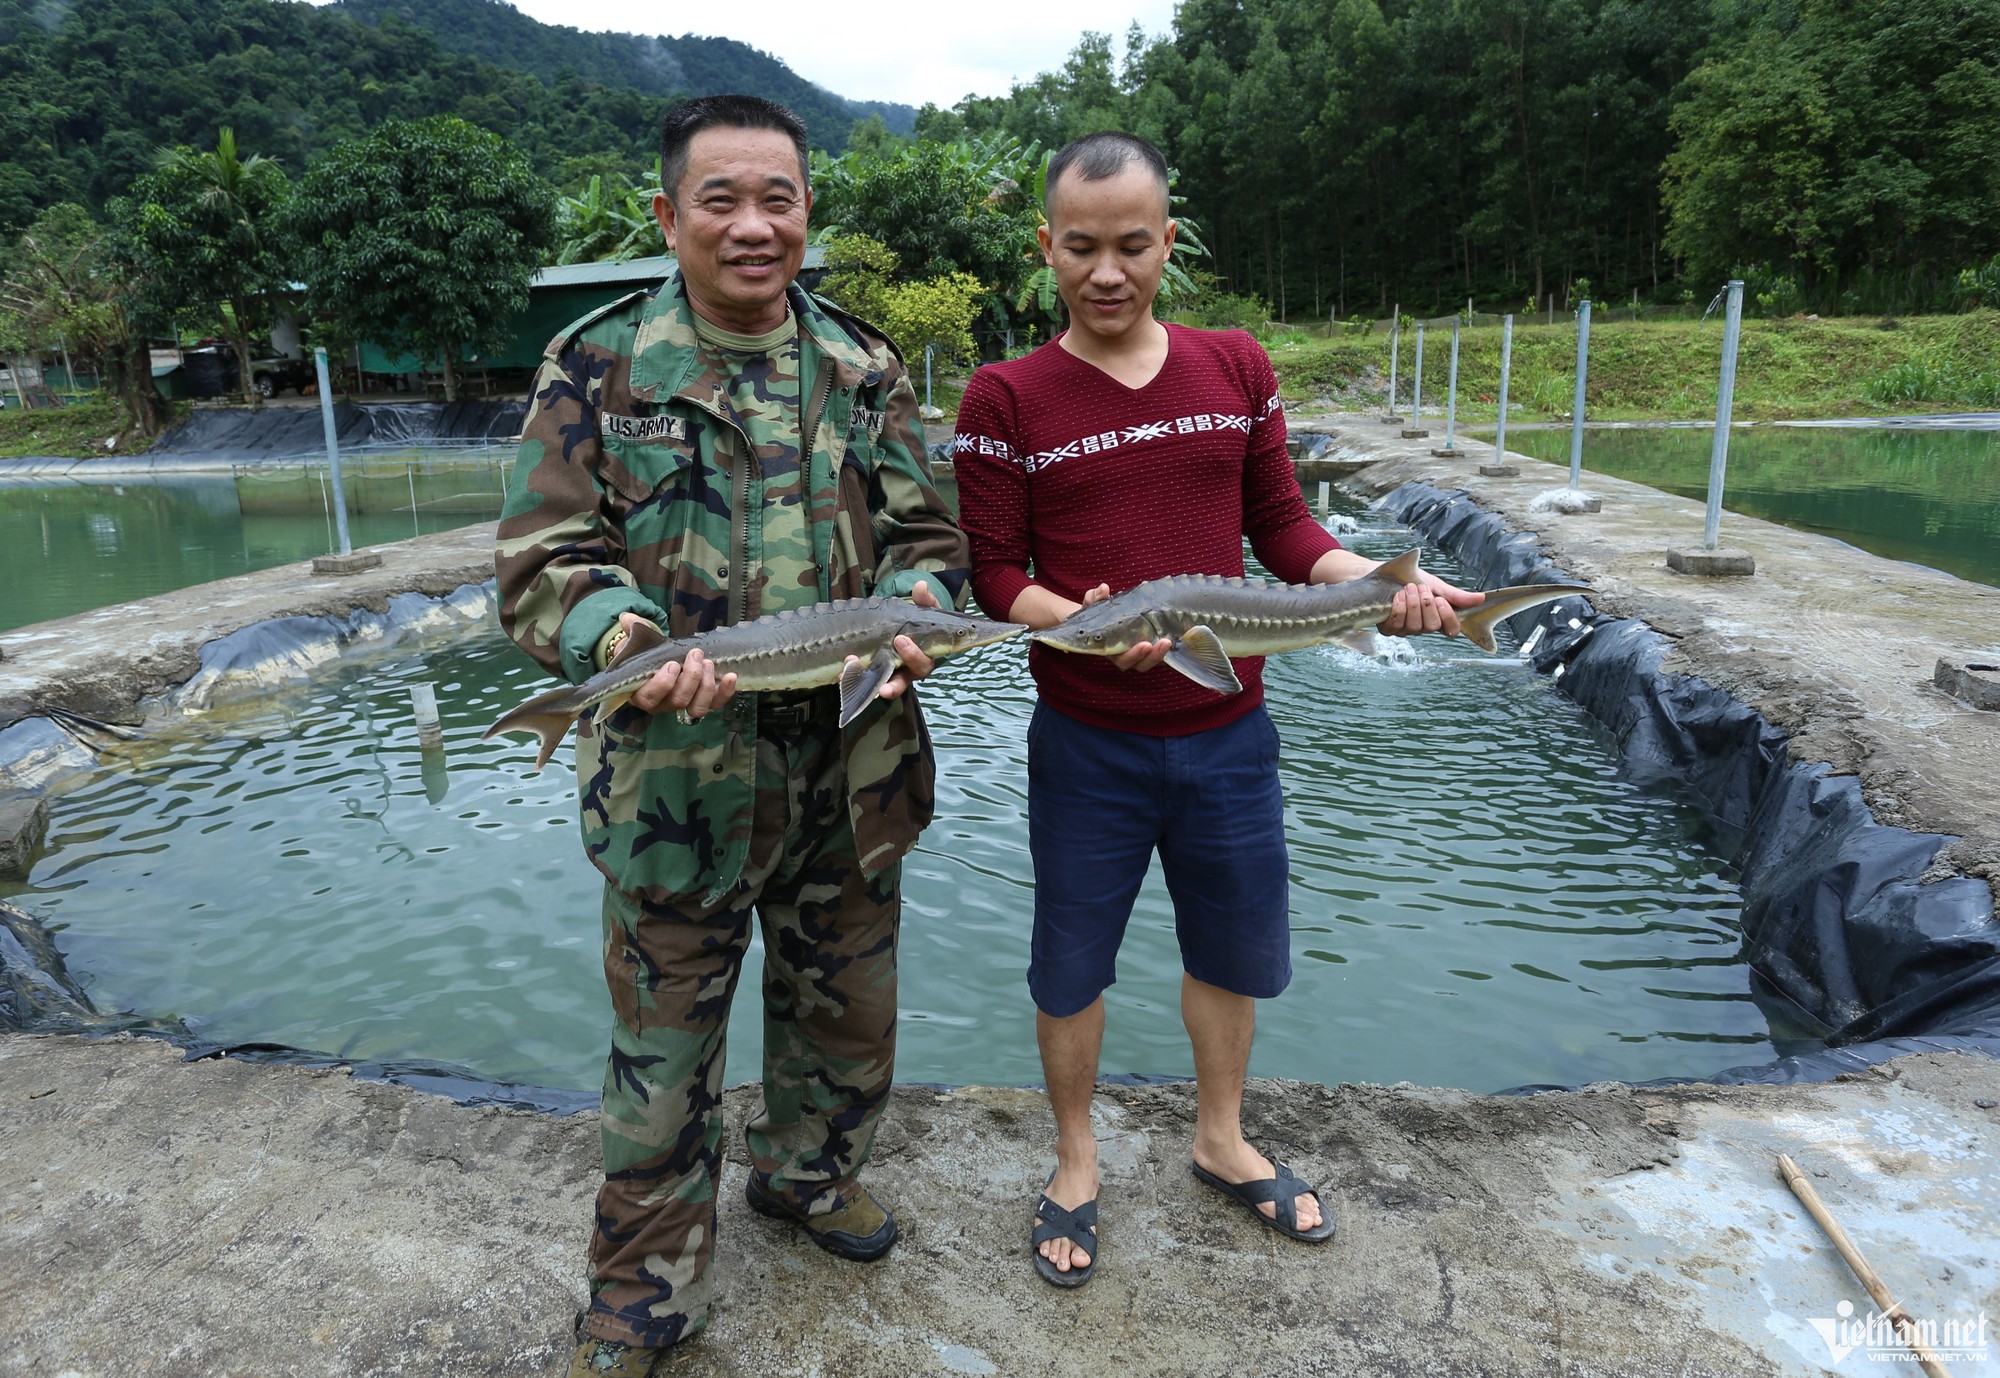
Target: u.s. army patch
[644, 427]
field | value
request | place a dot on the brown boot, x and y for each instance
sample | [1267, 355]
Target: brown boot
[861, 1230]
[596, 1358]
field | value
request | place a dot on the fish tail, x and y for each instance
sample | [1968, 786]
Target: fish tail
[548, 716]
[1477, 626]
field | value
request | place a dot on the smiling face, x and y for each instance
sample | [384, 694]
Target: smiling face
[1108, 241]
[737, 224]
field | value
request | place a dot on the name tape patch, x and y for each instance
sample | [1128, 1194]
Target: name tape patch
[643, 427]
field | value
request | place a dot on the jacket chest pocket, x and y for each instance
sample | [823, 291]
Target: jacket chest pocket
[671, 503]
[637, 467]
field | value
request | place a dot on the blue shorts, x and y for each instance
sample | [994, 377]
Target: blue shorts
[1100, 802]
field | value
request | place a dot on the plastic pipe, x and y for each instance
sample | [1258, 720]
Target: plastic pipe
[430, 731]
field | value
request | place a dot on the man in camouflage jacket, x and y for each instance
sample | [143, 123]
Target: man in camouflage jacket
[660, 476]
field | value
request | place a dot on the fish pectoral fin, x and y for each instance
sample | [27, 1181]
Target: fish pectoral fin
[640, 636]
[1364, 641]
[1198, 654]
[861, 680]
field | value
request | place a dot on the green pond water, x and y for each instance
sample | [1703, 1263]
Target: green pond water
[1927, 495]
[68, 546]
[1479, 897]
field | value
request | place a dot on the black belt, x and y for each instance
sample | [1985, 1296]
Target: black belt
[796, 708]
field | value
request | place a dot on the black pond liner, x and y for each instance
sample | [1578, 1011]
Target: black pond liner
[1850, 955]
[1848, 951]
[290, 432]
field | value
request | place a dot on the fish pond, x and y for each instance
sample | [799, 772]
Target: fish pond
[1926, 494]
[67, 546]
[1479, 897]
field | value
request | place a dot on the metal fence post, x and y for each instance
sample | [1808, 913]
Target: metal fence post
[1451, 392]
[1417, 397]
[1395, 349]
[928, 351]
[1725, 396]
[1506, 365]
[332, 449]
[1576, 413]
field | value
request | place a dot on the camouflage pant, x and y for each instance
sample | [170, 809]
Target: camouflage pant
[829, 1042]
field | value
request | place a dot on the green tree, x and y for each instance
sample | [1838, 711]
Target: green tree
[422, 237]
[933, 313]
[67, 286]
[967, 206]
[1852, 147]
[210, 228]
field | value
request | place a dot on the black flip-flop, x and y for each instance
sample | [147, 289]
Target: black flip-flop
[1078, 1226]
[1279, 1191]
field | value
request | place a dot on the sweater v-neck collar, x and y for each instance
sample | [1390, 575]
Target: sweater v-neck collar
[1112, 378]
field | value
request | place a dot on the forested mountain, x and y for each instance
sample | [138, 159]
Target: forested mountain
[496, 32]
[90, 90]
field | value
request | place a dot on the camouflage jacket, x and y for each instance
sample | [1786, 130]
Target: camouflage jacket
[636, 490]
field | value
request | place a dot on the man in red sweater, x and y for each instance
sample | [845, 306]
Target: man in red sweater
[1124, 450]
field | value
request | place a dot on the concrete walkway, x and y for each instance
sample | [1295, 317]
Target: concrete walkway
[219, 1219]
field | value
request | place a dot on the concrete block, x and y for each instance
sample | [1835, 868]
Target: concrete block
[1499, 471]
[346, 564]
[1416, 433]
[1975, 681]
[1390, 420]
[1722, 563]
[24, 826]
[1447, 452]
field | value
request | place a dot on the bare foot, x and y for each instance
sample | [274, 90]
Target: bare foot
[1238, 1162]
[1075, 1182]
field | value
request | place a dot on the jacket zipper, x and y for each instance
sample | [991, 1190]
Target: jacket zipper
[739, 592]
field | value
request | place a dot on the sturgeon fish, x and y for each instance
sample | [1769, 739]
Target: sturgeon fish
[1199, 613]
[850, 642]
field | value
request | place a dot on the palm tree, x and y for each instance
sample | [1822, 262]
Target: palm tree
[233, 205]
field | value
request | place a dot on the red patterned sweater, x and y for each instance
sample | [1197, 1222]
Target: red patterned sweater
[1068, 479]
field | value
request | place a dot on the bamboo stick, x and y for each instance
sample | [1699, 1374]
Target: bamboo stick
[1891, 1309]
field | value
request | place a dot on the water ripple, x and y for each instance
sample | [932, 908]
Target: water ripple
[1479, 897]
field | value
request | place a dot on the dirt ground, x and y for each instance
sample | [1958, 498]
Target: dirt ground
[223, 1218]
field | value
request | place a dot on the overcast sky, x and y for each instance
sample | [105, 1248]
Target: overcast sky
[942, 54]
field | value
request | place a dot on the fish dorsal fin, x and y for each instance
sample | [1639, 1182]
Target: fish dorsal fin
[860, 680]
[1402, 569]
[640, 637]
[1198, 654]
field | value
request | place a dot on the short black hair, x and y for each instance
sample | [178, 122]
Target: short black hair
[727, 111]
[1103, 154]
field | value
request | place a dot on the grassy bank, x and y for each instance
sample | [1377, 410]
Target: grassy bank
[1667, 370]
[77, 432]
